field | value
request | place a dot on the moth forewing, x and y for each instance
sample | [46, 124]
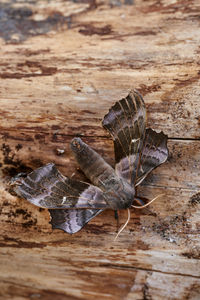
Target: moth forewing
[128, 138]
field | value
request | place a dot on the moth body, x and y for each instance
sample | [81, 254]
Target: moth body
[119, 194]
[73, 203]
[97, 170]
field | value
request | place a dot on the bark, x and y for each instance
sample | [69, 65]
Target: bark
[63, 64]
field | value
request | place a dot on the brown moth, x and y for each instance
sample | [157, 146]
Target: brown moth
[73, 203]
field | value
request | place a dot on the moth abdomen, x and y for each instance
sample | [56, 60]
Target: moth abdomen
[91, 163]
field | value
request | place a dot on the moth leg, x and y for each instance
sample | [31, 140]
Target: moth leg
[117, 218]
[116, 214]
[141, 201]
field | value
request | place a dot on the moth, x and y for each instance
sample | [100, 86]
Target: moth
[74, 203]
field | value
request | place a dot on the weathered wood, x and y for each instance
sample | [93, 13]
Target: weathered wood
[62, 65]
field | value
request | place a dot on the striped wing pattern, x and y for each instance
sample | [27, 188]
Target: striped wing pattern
[72, 220]
[71, 203]
[154, 153]
[126, 122]
[46, 187]
[137, 150]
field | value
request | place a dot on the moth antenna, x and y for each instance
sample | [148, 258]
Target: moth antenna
[145, 205]
[124, 226]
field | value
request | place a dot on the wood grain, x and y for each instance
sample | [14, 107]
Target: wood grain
[62, 65]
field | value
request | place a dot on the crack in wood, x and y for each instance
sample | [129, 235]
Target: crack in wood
[148, 270]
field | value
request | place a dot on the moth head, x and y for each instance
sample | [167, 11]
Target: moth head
[77, 145]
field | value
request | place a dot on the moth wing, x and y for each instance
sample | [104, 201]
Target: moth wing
[154, 153]
[126, 122]
[72, 220]
[46, 187]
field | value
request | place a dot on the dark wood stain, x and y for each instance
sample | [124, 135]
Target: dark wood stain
[45, 71]
[194, 254]
[195, 199]
[29, 52]
[89, 29]
[186, 82]
[144, 89]
[17, 243]
[145, 33]
[96, 229]
[146, 293]
[192, 292]
[18, 147]
[21, 138]
[184, 6]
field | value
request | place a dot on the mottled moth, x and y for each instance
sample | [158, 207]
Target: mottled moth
[73, 203]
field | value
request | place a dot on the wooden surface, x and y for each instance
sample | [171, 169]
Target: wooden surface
[62, 65]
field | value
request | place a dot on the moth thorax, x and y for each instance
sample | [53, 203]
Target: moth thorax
[120, 195]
